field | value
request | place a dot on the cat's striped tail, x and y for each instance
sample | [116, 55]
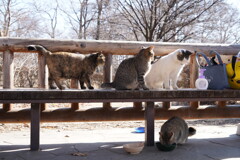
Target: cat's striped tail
[39, 48]
[191, 131]
[107, 85]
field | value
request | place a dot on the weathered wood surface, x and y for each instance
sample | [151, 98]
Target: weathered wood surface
[119, 114]
[113, 47]
[8, 73]
[74, 95]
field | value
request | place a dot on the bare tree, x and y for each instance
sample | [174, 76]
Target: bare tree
[80, 15]
[101, 5]
[26, 70]
[162, 20]
[15, 19]
[221, 26]
[50, 15]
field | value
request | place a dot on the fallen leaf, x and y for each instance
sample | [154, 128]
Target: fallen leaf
[79, 154]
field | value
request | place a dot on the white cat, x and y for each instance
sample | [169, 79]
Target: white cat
[167, 70]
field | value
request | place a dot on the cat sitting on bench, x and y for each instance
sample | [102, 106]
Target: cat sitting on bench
[167, 69]
[130, 73]
[65, 65]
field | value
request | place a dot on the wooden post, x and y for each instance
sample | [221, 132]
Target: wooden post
[8, 74]
[193, 77]
[74, 84]
[166, 105]
[35, 126]
[149, 123]
[137, 105]
[221, 104]
[42, 75]
[107, 75]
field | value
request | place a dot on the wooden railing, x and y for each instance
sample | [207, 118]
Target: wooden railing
[9, 46]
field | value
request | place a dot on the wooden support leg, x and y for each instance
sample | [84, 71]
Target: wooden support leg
[74, 84]
[107, 76]
[35, 126]
[149, 124]
[42, 75]
[8, 74]
[137, 105]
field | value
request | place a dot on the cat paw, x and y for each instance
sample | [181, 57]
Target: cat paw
[53, 87]
[83, 87]
[175, 87]
[91, 87]
[145, 88]
[62, 88]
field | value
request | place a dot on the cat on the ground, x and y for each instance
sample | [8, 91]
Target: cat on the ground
[66, 65]
[130, 73]
[166, 70]
[175, 131]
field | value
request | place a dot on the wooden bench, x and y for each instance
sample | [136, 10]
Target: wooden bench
[38, 96]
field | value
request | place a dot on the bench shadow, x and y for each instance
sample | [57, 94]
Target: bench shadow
[209, 148]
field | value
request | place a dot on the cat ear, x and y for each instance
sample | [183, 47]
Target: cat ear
[171, 135]
[99, 53]
[150, 48]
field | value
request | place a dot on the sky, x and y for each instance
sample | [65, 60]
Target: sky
[236, 3]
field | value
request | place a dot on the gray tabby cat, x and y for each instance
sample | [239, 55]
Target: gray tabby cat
[175, 130]
[130, 73]
[66, 65]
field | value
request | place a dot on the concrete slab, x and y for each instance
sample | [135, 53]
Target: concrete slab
[218, 142]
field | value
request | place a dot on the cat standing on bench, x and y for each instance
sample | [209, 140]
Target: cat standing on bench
[130, 73]
[65, 65]
[175, 131]
[167, 69]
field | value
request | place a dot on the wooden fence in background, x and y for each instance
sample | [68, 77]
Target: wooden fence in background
[9, 46]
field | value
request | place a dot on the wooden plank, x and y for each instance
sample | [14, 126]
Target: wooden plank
[68, 96]
[113, 47]
[149, 124]
[8, 74]
[35, 126]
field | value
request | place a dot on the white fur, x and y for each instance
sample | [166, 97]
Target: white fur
[165, 71]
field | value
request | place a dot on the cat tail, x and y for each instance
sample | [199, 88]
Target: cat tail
[39, 48]
[107, 85]
[191, 131]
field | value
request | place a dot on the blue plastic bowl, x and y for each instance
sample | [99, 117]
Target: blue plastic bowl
[140, 130]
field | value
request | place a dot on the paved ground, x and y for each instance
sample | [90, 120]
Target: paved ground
[103, 141]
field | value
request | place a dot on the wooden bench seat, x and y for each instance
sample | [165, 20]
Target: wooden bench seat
[38, 96]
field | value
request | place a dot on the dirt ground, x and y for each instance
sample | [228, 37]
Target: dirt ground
[70, 126]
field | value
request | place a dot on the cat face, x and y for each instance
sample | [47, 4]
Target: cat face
[183, 55]
[100, 58]
[166, 138]
[148, 53]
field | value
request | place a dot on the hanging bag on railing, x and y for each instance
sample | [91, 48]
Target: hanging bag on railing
[215, 73]
[233, 72]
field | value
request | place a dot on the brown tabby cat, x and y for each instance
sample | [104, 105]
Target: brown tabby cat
[130, 73]
[65, 65]
[175, 130]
